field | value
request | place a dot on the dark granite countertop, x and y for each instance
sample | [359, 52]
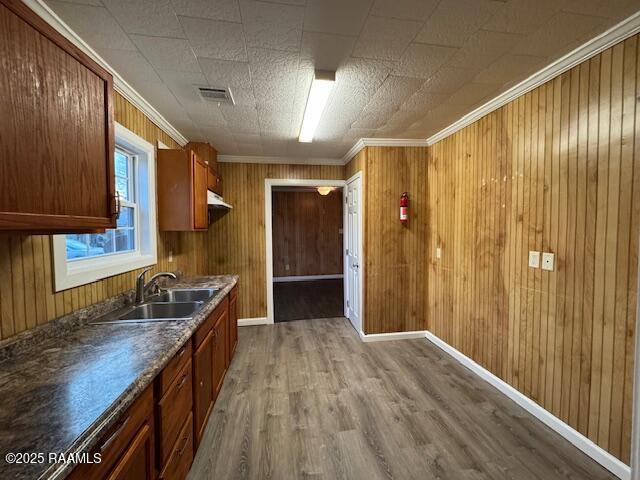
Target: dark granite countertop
[65, 383]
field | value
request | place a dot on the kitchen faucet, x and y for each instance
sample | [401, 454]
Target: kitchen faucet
[141, 287]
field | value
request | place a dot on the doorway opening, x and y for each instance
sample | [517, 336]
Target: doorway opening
[306, 243]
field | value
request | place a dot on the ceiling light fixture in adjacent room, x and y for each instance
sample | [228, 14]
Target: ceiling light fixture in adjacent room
[321, 86]
[325, 190]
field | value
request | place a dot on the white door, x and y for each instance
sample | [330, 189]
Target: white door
[353, 253]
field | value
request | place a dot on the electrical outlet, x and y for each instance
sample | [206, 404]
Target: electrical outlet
[438, 253]
[534, 259]
[548, 261]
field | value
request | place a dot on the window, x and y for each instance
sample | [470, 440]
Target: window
[84, 258]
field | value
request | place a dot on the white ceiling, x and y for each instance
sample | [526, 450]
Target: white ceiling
[404, 68]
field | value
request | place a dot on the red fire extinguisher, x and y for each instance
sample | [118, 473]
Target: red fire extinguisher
[404, 207]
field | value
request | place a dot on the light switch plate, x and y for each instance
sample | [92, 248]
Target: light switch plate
[438, 253]
[534, 259]
[548, 261]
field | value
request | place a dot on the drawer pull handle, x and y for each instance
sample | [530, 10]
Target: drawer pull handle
[181, 352]
[182, 382]
[114, 435]
[184, 446]
[201, 384]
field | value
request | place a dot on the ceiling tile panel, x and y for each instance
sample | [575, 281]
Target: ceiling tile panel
[133, 67]
[423, 61]
[510, 68]
[225, 73]
[336, 16]
[405, 9]
[167, 53]
[385, 38]
[95, 25]
[146, 17]
[215, 39]
[272, 25]
[228, 10]
[454, 21]
[325, 51]
[523, 16]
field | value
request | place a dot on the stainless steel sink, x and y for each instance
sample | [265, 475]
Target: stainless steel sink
[184, 295]
[157, 312]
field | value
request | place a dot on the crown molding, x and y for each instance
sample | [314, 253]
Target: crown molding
[119, 83]
[279, 160]
[623, 30]
[382, 142]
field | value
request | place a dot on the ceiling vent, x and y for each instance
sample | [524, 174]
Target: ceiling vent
[216, 95]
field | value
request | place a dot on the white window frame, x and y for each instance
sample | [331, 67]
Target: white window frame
[76, 272]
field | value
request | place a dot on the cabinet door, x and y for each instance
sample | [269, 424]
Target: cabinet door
[136, 463]
[56, 126]
[202, 385]
[219, 352]
[200, 213]
[233, 323]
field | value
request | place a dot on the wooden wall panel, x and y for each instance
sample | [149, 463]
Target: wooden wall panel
[307, 233]
[236, 242]
[395, 283]
[26, 292]
[555, 170]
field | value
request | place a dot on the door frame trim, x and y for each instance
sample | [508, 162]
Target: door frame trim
[361, 268]
[268, 224]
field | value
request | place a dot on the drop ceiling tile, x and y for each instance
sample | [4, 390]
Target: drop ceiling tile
[131, 65]
[241, 119]
[182, 81]
[404, 9]
[523, 16]
[615, 9]
[325, 51]
[510, 68]
[472, 94]
[97, 3]
[423, 61]
[212, 117]
[215, 39]
[559, 31]
[275, 121]
[448, 80]
[249, 149]
[225, 73]
[454, 21]
[159, 95]
[361, 74]
[243, 96]
[271, 25]
[167, 53]
[95, 25]
[273, 77]
[423, 100]
[247, 138]
[336, 16]
[387, 100]
[146, 17]
[385, 38]
[227, 10]
[483, 48]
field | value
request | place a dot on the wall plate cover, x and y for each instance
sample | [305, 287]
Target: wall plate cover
[548, 261]
[534, 259]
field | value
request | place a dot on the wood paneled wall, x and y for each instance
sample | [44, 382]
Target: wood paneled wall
[26, 292]
[307, 233]
[556, 170]
[395, 282]
[237, 240]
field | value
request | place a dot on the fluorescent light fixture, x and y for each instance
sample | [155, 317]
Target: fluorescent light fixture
[321, 86]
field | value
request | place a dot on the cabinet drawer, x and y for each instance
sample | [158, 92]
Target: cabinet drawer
[173, 408]
[181, 456]
[113, 443]
[170, 372]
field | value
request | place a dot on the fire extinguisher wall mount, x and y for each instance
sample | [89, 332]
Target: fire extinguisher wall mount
[404, 208]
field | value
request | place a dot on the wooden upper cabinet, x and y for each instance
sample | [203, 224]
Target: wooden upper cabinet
[182, 191]
[206, 152]
[56, 130]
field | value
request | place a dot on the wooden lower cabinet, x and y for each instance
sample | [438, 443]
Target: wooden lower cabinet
[158, 435]
[202, 385]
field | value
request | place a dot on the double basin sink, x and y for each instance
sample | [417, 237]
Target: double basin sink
[170, 305]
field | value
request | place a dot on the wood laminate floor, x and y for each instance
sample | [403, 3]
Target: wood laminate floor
[307, 300]
[308, 399]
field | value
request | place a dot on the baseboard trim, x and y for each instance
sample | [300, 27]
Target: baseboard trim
[307, 278]
[587, 446]
[383, 337]
[248, 322]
